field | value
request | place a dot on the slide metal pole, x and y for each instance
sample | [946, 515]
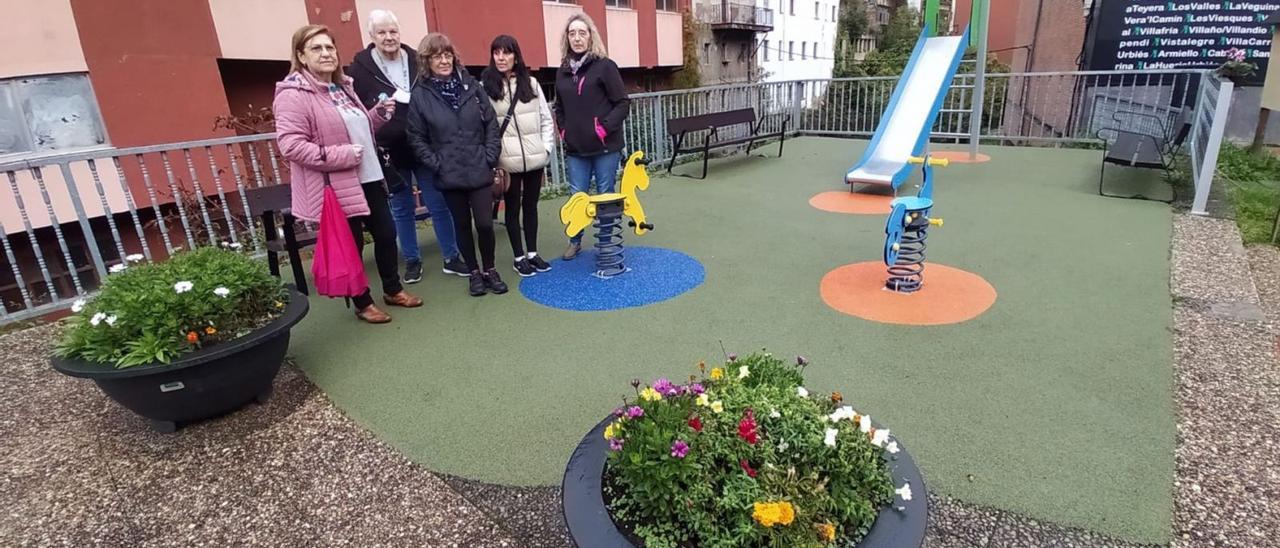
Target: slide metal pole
[979, 78]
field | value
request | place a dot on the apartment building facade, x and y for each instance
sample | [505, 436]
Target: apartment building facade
[802, 44]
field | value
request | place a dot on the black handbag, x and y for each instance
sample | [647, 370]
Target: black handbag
[395, 183]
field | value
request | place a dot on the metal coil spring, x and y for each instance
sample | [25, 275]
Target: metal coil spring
[907, 273]
[609, 240]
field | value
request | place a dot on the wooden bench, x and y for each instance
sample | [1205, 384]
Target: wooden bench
[267, 202]
[679, 128]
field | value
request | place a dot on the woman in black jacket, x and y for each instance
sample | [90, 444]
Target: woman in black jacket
[591, 106]
[454, 132]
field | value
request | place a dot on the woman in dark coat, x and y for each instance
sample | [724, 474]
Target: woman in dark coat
[454, 132]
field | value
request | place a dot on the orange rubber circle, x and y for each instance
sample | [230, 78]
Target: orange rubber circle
[948, 295]
[857, 203]
[960, 157]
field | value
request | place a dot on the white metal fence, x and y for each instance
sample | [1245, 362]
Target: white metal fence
[69, 218]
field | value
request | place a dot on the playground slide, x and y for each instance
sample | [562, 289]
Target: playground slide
[904, 128]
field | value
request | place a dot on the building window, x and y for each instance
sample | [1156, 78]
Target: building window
[804, 50]
[793, 7]
[791, 51]
[668, 5]
[766, 50]
[48, 113]
[618, 3]
[817, 10]
[833, 14]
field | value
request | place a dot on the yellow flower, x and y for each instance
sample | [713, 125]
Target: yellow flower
[210, 330]
[826, 532]
[649, 394]
[703, 400]
[612, 430]
[717, 373]
[769, 514]
[717, 406]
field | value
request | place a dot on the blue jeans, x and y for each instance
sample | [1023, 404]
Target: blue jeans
[403, 205]
[580, 169]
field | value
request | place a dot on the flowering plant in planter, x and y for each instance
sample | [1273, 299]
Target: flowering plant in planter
[1235, 68]
[154, 313]
[743, 455]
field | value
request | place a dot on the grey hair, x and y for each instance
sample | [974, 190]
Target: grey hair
[381, 17]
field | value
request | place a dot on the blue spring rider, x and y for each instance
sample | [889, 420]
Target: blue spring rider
[906, 230]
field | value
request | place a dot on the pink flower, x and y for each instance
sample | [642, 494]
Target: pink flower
[635, 412]
[747, 428]
[615, 444]
[679, 449]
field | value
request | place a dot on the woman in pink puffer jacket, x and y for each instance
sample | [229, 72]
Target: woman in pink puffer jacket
[322, 128]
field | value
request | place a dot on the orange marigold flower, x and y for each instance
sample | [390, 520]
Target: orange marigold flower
[769, 514]
[702, 366]
[837, 397]
[827, 532]
[192, 337]
[210, 330]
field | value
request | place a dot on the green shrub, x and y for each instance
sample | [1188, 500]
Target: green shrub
[1254, 183]
[740, 457]
[148, 313]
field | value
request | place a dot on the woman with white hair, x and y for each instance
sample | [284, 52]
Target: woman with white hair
[388, 68]
[591, 106]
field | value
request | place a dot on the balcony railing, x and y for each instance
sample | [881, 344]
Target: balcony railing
[736, 16]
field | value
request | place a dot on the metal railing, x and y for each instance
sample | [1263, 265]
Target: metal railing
[734, 14]
[70, 218]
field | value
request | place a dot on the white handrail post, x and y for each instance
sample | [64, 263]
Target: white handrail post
[1209, 165]
[979, 80]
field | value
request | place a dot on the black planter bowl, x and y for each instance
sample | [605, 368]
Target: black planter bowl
[208, 382]
[591, 526]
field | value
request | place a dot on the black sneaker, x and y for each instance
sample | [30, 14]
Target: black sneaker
[456, 267]
[413, 273]
[477, 284]
[538, 264]
[494, 282]
[524, 269]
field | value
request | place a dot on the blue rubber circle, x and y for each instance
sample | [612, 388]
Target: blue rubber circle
[655, 275]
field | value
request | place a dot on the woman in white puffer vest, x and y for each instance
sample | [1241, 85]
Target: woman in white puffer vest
[528, 141]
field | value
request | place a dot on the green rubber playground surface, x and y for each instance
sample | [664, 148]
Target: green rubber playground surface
[1056, 402]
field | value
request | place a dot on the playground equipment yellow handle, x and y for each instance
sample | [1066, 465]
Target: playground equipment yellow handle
[935, 221]
[939, 162]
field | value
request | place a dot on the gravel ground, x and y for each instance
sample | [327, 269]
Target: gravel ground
[1228, 387]
[80, 471]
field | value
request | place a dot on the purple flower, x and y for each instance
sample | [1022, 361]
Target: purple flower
[618, 412]
[733, 357]
[615, 444]
[664, 387]
[635, 412]
[679, 449]
[697, 389]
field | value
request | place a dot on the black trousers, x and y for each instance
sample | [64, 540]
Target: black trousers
[522, 197]
[383, 229]
[466, 205]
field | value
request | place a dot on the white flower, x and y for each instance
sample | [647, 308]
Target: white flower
[864, 424]
[183, 287]
[773, 413]
[234, 245]
[892, 447]
[783, 445]
[223, 244]
[118, 268]
[222, 292]
[97, 318]
[904, 491]
[78, 306]
[879, 438]
[831, 437]
[743, 372]
[111, 320]
[133, 258]
[803, 393]
[845, 412]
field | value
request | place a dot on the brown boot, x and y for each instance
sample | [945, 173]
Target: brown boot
[402, 298]
[572, 251]
[371, 314]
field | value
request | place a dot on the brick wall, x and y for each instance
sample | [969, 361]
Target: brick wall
[1041, 106]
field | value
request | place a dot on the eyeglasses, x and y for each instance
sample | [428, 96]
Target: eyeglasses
[445, 56]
